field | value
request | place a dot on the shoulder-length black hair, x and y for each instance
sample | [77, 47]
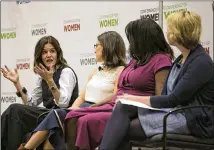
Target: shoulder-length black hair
[146, 39]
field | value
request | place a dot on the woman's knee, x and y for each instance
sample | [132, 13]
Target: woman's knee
[14, 108]
[83, 120]
[60, 112]
[126, 109]
[15, 105]
[86, 120]
[119, 107]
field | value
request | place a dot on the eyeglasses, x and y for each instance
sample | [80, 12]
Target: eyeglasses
[95, 45]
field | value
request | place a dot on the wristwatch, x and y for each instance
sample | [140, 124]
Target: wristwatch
[52, 88]
[24, 90]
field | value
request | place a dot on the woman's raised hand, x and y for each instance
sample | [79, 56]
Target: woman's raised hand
[43, 72]
[11, 75]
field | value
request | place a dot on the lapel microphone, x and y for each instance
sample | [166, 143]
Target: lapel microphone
[100, 68]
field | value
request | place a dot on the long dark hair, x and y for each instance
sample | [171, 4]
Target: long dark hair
[61, 62]
[146, 39]
[114, 51]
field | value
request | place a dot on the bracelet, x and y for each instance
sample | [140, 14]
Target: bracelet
[24, 90]
[51, 85]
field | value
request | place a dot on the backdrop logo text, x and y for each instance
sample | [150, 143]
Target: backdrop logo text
[109, 20]
[39, 29]
[87, 59]
[8, 33]
[23, 64]
[8, 97]
[71, 25]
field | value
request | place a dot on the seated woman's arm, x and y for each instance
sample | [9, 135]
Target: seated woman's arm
[81, 97]
[197, 74]
[160, 79]
[109, 98]
[67, 83]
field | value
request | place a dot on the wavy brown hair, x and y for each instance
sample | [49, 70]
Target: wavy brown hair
[61, 62]
[114, 51]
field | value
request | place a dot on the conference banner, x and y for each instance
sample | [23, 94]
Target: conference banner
[76, 25]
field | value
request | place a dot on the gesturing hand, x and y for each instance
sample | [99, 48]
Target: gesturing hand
[43, 72]
[13, 76]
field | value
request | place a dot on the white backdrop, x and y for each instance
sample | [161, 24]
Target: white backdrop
[76, 25]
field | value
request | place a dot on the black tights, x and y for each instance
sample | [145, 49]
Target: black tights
[123, 126]
[71, 133]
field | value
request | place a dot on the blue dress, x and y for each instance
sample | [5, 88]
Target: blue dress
[152, 120]
[53, 122]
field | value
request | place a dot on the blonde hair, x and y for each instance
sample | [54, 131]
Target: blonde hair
[185, 28]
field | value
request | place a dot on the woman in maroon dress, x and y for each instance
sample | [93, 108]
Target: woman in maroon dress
[143, 76]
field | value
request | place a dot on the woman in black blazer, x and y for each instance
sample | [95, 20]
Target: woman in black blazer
[190, 82]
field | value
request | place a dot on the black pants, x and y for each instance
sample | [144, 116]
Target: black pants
[122, 127]
[16, 121]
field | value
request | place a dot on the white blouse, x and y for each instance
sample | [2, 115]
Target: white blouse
[100, 86]
[67, 82]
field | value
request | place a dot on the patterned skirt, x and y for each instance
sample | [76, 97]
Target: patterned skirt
[152, 122]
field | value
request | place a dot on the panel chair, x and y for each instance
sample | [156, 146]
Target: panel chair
[177, 140]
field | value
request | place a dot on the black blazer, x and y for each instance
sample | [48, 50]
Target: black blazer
[194, 86]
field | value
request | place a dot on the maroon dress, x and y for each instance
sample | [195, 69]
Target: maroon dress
[135, 80]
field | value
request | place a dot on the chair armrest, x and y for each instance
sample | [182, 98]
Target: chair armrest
[178, 110]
